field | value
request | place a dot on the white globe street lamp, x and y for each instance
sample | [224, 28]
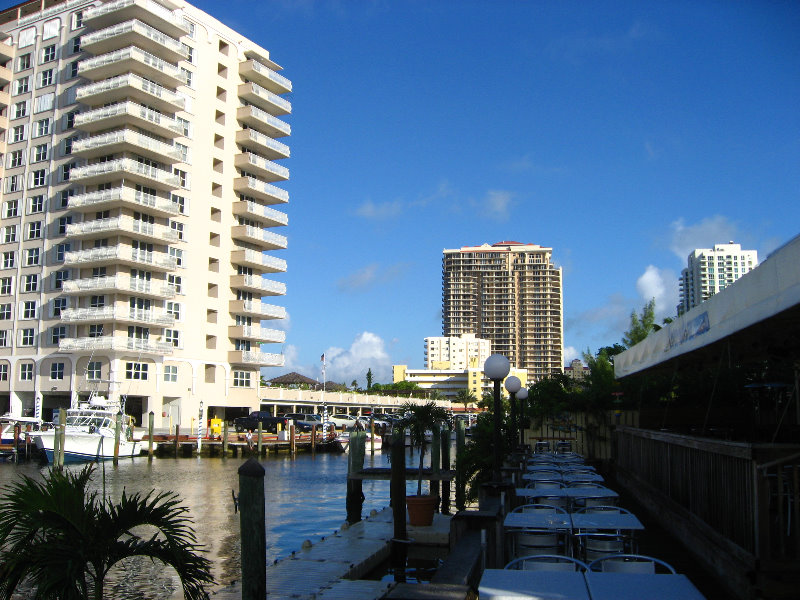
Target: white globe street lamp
[496, 368]
[512, 385]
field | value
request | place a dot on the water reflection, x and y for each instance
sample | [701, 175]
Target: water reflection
[305, 499]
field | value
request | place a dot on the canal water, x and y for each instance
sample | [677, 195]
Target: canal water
[305, 500]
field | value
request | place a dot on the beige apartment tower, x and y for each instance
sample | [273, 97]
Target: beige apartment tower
[141, 145]
[508, 293]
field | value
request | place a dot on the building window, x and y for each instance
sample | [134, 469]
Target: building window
[18, 133]
[26, 372]
[60, 278]
[174, 309]
[48, 53]
[135, 370]
[172, 336]
[9, 259]
[16, 158]
[62, 224]
[179, 202]
[188, 52]
[241, 379]
[24, 62]
[32, 257]
[183, 177]
[36, 204]
[66, 169]
[59, 304]
[61, 250]
[57, 370]
[46, 78]
[39, 178]
[177, 228]
[94, 370]
[176, 282]
[77, 19]
[177, 254]
[14, 183]
[5, 286]
[185, 125]
[9, 234]
[27, 337]
[30, 283]
[171, 373]
[187, 75]
[68, 145]
[34, 230]
[3, 372]
[73, 69]
[69, 120]
[41, 127]
[20, 110]
[29, 309]
[96, 330]
[4, 336]
[97, 301]
[10, 209]
[5, 312]
[63, 198]
[76, 44]
[40, 152]
[22, 85]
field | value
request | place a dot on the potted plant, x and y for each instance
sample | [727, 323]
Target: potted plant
[419, 419]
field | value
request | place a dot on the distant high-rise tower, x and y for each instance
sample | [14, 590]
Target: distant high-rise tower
[141, 143]
[508, 293]
[710, 271]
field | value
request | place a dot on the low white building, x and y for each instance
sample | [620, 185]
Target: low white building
[710, 270]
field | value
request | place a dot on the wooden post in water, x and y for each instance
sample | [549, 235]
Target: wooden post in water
[436, 444]
[372, 431]
[56, 443]
[313, 440]
[253, 530]
[225, 439]
[150, 423]
[260, 438]
[445, 438]
[17, 433]
[355, 463]
[397, 495]
[292, 440]
[117, 434]
[177, 435]
[461, 484]
[62, 428]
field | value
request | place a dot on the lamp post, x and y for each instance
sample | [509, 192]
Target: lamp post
[513, 385]
[522, 396]
[496, 368]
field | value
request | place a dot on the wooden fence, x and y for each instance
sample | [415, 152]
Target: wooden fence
[591, 434]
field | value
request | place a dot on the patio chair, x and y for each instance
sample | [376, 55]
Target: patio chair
[547, 562]
[537, 507]
[603, 508]
[629, 563]
[593, 545]
[563, 446]
[541, 446]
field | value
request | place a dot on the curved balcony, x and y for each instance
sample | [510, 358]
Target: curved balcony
[113, 313]
[121, 254]
[263, 121]
[251, 357]
[264, 214]
[263, 144]
[151, 12]
[133, 33]
[250, 308]
[122, 225]
[266, 240]
[124, 197]
[114, 344]
[133, 87]
[261, 190]
[117, 284]
[261, 335]
[5, 76]
[257, 284]
[261, 74]
[128, 113]
[128, 169]
[6, 51]
[262, 262]
[126, 140]
[131, 60]
[264, 99]
[265, 169]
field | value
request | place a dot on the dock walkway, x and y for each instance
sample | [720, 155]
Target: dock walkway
[332, 568]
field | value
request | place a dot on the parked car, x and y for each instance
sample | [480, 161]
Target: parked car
[269, 423]
[304, 421]
[340, 420]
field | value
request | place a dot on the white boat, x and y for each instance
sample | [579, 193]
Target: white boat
[344, 439]
[89, 434]
[27, 425]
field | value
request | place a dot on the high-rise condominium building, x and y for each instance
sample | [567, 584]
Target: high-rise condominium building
[711, 270]
[462, 352]
[141, 140]
[510, 294]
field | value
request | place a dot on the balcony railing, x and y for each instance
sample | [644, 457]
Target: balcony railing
[118, 344]
[273, 149]
[121, 35]
[262, 167]
[128, 112]
[126, 166]
[108, 198]
[145, 10]
[113, 313]
[266, 287]
[262, 120]
[251, 357]
[121, 253]
[270, 216]
[266, 262]
[127, 59]
[260, 237]
[260, 189]
[158, 289]
[131, 85]
[264, 76]
[126, 139]
[259, 309]
[264, 99]
[262, 334]
[123, 224]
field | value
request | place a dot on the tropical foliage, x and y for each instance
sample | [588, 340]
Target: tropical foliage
[419, 419]
[63, 539]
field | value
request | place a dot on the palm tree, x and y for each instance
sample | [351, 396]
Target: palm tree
[465, 397]
[64, 540]
[420, 418]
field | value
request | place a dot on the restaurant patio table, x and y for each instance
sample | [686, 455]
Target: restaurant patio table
[640, 586]
[537, 519]
[499, 584]
[572, 477]
[602, 492]
[606, 521]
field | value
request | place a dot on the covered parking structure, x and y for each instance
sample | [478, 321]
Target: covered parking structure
[727, 481]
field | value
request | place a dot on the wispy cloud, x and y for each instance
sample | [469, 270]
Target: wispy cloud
[713, 230]
[579, 47]
[390, 209]
[381, 210]
[526, 164]
[496, 205]
[609, 319]
[371, 276]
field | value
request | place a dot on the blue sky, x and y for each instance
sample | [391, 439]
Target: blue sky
[621, 134]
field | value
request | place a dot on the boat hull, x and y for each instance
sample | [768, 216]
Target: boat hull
[84, 447]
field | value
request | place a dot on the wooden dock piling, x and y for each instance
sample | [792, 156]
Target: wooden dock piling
[355, 462]
[61, 431]
[117, 434]
[177, 436]
[445, 441]
[260, 439]
[150, 423]
[253, 530]
[461, 484]
[225, 439]
[436, 444]
[292, 440]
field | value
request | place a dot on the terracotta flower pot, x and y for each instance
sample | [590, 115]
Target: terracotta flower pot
[420, 509]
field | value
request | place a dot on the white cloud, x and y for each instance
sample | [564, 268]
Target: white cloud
[571, 353]
[609, 319]
[368, 351]
[284, 324]
[496, 205]
[372, 275]
[661, 285]
[712, 230]
[383, 210]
